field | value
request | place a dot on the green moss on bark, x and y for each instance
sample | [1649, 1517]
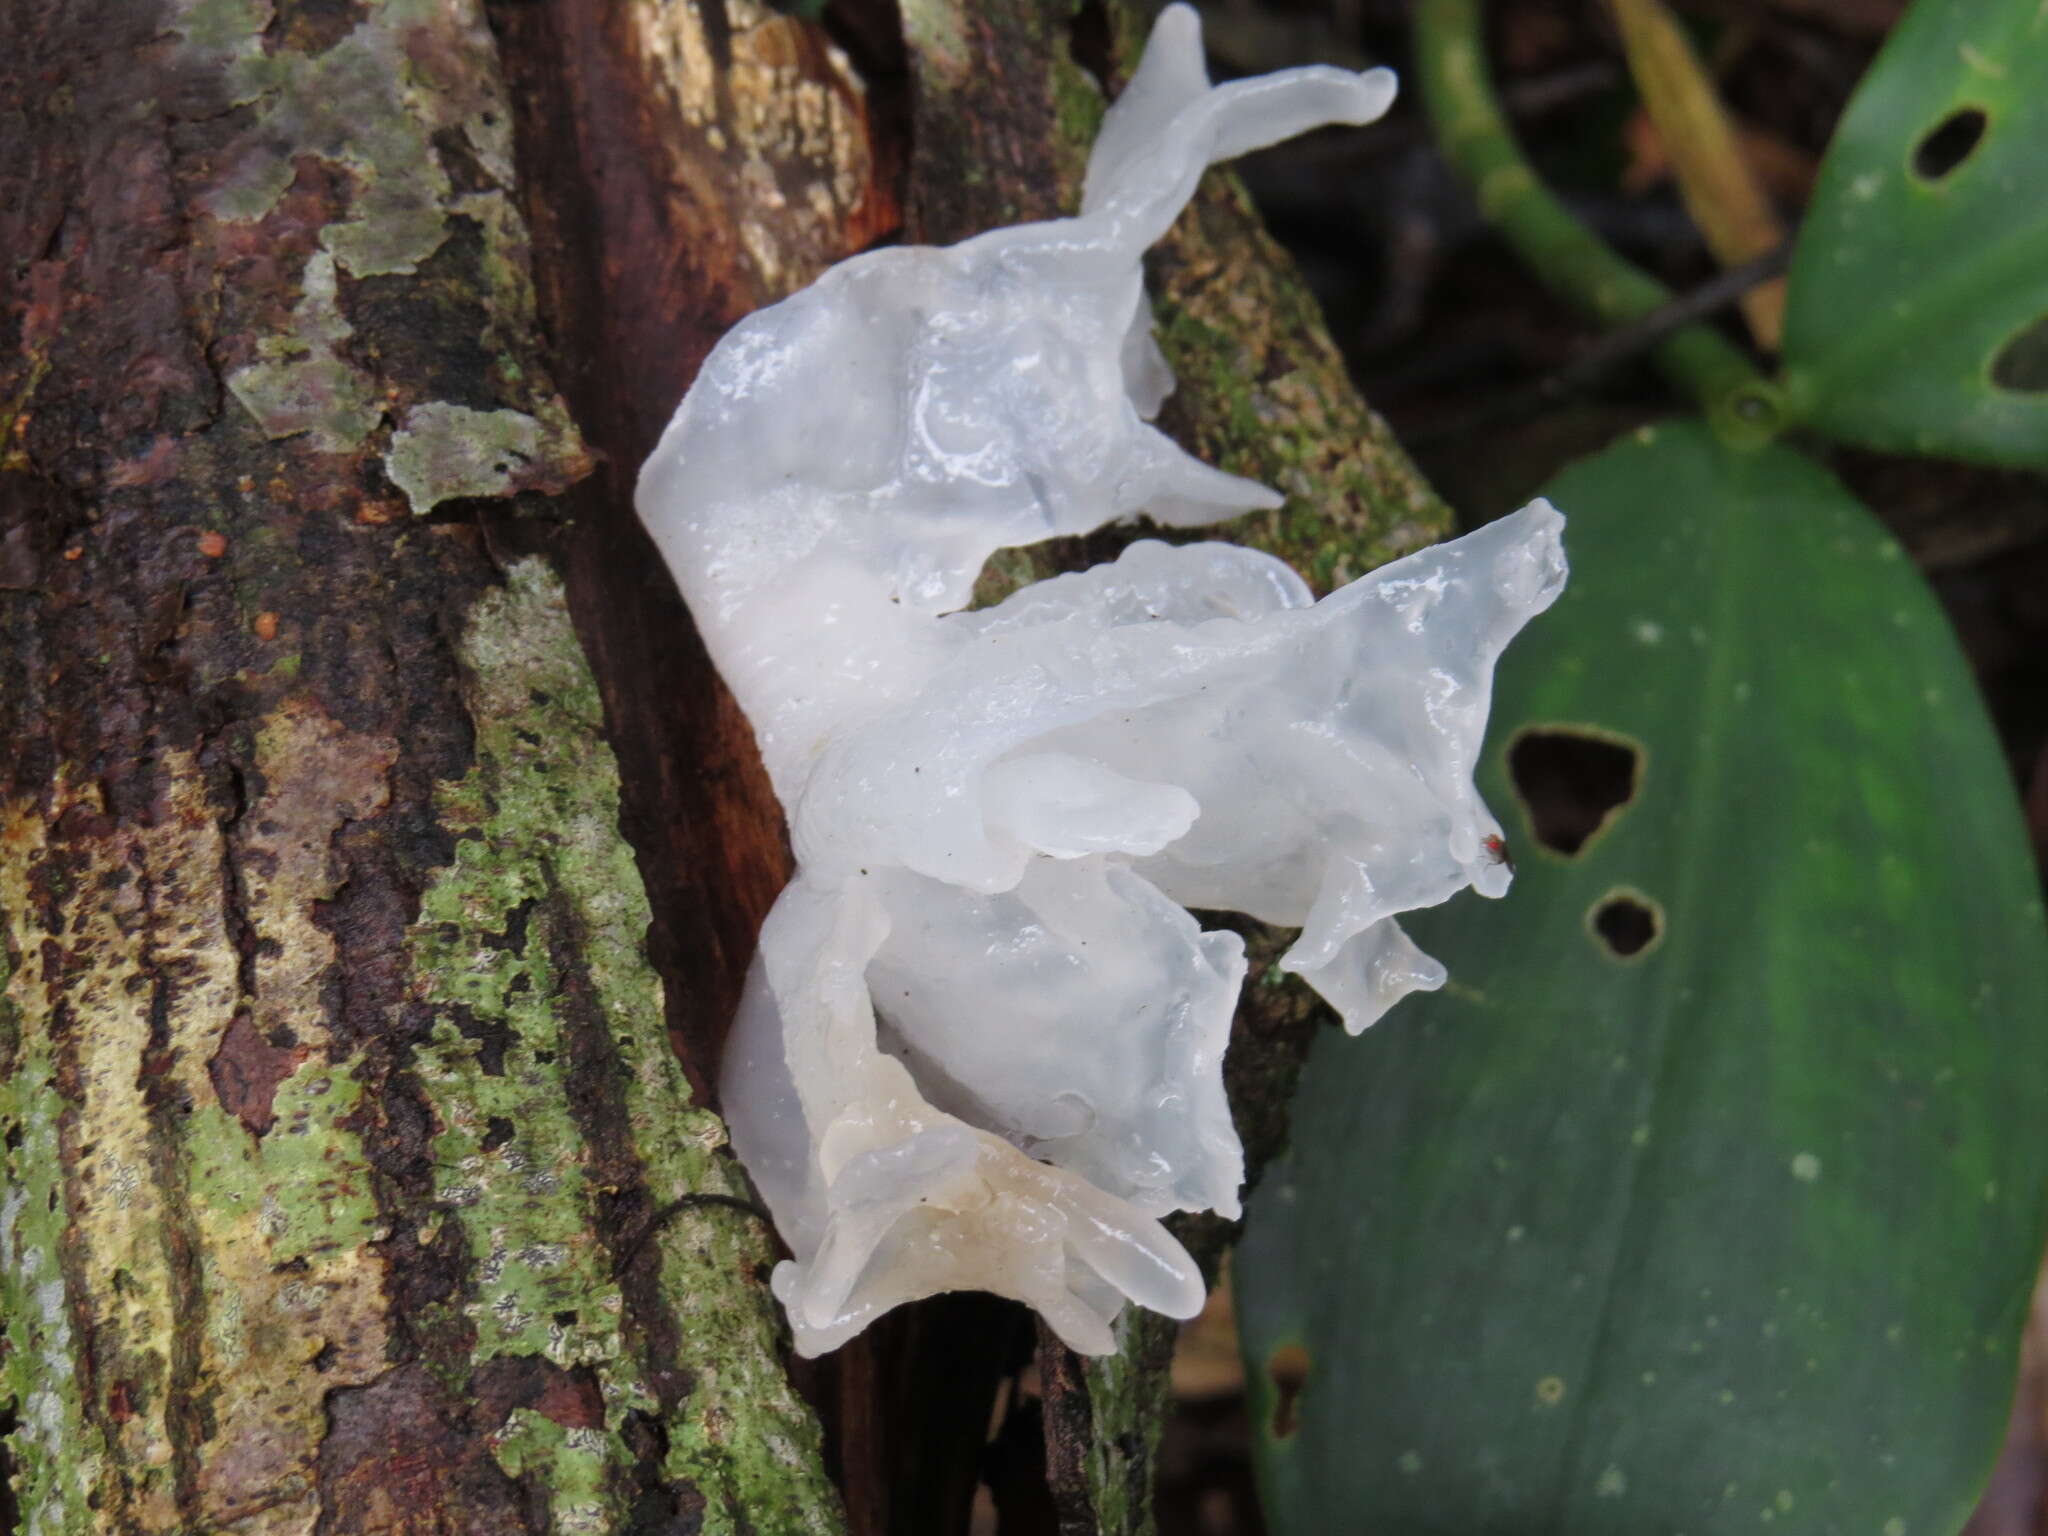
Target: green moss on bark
[541, 872]
[58, 1457]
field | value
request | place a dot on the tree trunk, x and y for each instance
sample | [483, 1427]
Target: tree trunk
[351, 1182]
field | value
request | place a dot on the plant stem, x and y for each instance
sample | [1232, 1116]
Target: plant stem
[1457, 87]
[1720, 188]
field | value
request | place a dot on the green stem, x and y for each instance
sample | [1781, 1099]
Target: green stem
[1474, 136]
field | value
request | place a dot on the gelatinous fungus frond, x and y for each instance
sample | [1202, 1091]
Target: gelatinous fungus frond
[981, 1044]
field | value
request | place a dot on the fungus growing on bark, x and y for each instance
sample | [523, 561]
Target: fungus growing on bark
[981, 1044]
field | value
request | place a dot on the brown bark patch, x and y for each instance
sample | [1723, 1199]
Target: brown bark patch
[402, 1459]
[247, 1069]
[569, 1397]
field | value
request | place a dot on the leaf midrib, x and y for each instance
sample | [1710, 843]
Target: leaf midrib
[1697, 803]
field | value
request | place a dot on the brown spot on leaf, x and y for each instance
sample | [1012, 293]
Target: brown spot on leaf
[1288, 1368]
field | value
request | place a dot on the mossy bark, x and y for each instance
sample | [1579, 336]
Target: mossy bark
[351, 1182]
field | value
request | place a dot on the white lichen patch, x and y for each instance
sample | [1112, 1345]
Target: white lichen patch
[981, 1046]
[580, 1468]
[391, 104]
[304, 383]
[370, 102]
[442, 452]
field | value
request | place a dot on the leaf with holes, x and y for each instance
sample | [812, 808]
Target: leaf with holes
[1709, 1191]
[1918, 311]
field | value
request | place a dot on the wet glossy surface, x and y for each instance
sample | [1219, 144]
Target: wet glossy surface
[982, 1043]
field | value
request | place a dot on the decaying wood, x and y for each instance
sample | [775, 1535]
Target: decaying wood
[348, 1172]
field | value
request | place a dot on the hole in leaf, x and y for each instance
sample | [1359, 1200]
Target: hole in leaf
[1949, 142]
[2022, 363]
[1288, 1366]
[1572, 782]
[1627, 922]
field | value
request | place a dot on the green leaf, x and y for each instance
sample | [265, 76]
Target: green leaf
[1736, 1230]
[1918, 314]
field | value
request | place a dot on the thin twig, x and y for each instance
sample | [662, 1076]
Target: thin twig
[1710, 298]
[1616, 348]
[1473, 134]
[674, 1208]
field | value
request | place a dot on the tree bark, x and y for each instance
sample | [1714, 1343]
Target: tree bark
[351, 1183]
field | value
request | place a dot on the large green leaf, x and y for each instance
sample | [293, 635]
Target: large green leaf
[1918, 314]
[1738, 1230]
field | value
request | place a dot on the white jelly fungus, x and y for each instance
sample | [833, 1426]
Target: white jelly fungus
[981, 1045]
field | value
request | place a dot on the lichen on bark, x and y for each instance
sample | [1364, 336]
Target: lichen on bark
[224, 1256]
[237, 749]
[407, 105]
[59, 1456]
[525, 1159]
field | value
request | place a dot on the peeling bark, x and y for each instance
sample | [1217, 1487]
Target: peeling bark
[351, 1182]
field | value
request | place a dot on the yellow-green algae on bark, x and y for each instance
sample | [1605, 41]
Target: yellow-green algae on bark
[216, 1262]
[540, 866]
[58, 1457]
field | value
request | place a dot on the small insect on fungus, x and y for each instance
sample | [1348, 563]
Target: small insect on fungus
[1496, 848]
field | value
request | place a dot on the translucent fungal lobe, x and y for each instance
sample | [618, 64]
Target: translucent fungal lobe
[981, 1045]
